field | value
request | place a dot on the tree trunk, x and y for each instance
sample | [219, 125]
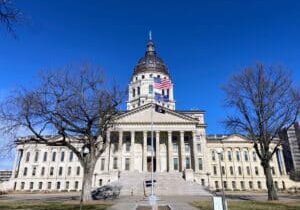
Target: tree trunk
[87, 181]
[272, 192]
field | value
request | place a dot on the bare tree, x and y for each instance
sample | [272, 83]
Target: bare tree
[264, 101]
[74, 104]
[9, 15]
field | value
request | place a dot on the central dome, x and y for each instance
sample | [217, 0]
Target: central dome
[150, 62]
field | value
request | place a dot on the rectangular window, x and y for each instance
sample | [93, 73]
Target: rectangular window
[127, 164]
[225, 185]
[53, 156]
[40, 185]
[199, 148]
[242, 185]
[251, 185]
[240, 170]
[67, 185]
[49, 185]
[217, 184]
[233, 185]
[102, 164]
[175, 148]
[62, 157]
[43, 171]
[100, 182]
[69, 170]
[246, 156]
[115, 163]
[229, 155]
[71, 156]
[215, 170]
[25, 171]
[22, 185]
[223, 170]
[248, 170]
[76, 185]
[36, 157]
[58, 185]
[133, 92]
[176, 165]
[168, 92]
[187, 148]
[60, 171]
[259, 185]
[200, 164]
[238, 157]
[34, 171]
[51, 171]
[78, 171]
[187, 163]
[31, 185]
[256, 171]
[231, 170]
[150, 89]
[45, 156]
[127, 146]
[254, 156]
[213, 155]
[27, 156]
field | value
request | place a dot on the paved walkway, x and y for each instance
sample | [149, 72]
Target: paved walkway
[175, 202]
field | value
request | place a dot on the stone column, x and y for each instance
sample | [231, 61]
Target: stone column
[170, 152]
[108, 151]
[157, 152]
[182, 151]
[145, 151]
[120, 148]
[195, 152]
[132, 135]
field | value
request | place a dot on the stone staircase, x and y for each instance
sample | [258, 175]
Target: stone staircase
[166, 184]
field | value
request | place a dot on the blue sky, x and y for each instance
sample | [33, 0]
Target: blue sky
[202, 42]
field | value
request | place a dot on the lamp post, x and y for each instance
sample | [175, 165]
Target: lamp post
[220, 151]
[208, 184]
[85, 151]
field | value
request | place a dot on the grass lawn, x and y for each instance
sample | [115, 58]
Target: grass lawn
[251, 205]
[51, 206]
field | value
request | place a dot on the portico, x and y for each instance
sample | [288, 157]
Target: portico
[173, 150]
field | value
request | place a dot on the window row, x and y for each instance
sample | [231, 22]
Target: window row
[243, 185]
[237, 154]
[50, 185]
[46, 154]
[239, 171]
[51, 171]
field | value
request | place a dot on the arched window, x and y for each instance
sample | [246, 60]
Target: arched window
[238, 156]
[246, 157]
[229, 155]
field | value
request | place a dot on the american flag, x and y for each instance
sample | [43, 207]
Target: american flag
[160, 83]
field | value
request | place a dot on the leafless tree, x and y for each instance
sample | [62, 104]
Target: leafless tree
[74, 105]
[9, 15]
[264, 101]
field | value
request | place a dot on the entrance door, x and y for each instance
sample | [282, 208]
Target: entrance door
[149, 164]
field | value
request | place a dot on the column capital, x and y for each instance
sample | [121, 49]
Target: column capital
[181, 132]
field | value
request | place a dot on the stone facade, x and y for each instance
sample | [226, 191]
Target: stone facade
[181, 146]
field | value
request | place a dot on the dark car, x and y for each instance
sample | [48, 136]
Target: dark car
[106, 192]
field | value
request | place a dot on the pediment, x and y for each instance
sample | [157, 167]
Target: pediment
[236, 138]
[143, 115]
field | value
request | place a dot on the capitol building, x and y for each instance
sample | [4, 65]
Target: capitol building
[183, 152]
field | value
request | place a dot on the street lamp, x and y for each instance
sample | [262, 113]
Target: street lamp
[208, 184]
[219, 152]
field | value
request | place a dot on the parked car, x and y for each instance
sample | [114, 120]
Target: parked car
[106, 192]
